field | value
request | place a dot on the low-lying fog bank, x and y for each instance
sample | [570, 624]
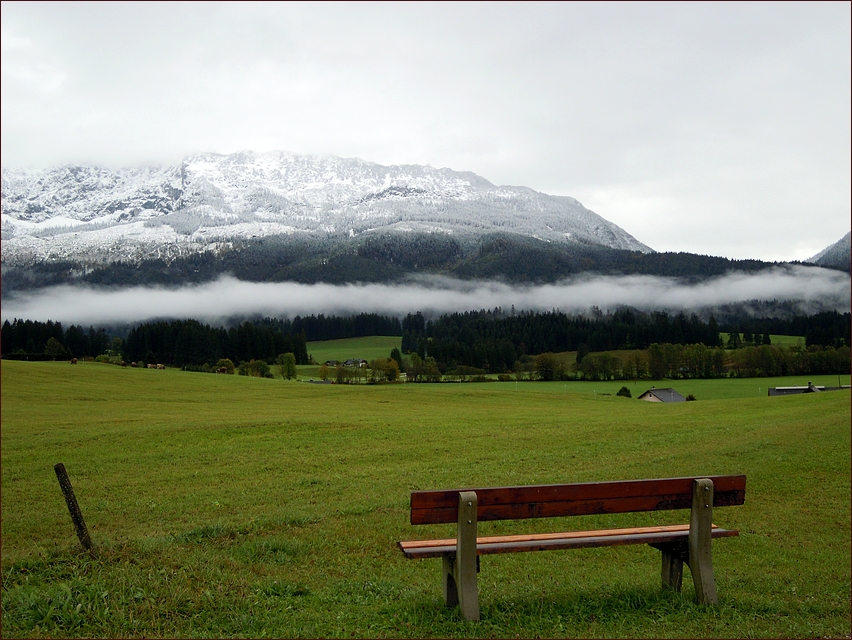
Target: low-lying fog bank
[814, 289]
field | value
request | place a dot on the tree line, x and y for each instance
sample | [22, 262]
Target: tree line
[476, 343]
[182, 342]
[495, 340]
[826, 328]
[176, 343]
[188, 342]
[48, 340]
[676, 361]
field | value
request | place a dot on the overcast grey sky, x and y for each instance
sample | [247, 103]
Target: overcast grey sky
[714, 128]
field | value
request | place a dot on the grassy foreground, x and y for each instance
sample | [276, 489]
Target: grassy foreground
[234, 506]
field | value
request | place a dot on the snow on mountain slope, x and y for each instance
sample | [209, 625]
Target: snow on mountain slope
[95, 215]
[835, 256]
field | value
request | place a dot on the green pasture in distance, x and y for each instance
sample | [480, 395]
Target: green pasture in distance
[234, 506]
[777, 340]
[367, 349]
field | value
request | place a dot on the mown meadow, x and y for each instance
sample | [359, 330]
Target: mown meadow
[231, 506]
[368, 348]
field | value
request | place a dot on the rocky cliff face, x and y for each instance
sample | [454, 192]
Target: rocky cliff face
[95, 215]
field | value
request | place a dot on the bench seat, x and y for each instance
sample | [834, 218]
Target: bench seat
[414, 549]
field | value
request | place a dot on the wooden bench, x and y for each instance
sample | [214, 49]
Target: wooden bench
[679, 543]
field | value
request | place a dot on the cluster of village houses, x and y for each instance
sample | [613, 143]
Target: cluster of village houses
[352, 362]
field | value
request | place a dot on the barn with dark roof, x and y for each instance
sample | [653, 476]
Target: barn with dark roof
[661, 395]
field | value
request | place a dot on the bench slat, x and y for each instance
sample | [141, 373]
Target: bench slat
[542, 501]
[414, 549]
[414, 544]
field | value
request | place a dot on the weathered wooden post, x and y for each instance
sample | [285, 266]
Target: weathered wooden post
[73, 507]
[700, 528]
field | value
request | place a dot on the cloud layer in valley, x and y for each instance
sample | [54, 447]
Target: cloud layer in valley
[228, 297]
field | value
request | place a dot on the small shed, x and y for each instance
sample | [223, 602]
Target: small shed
[661, 395]
[790, 391]
[810, 388]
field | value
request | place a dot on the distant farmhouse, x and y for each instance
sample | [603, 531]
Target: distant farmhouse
[352, 362]
[661, 395]
[811, 388]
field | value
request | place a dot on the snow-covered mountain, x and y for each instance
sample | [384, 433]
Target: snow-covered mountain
[95, 216]
[835, 256]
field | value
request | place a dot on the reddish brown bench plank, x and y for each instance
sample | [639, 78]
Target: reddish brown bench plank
[543, 501]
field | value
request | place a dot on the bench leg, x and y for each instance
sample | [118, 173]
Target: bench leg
[700, 528]
[695, 552]
[674, 554]
[451, 592]
[672, 572]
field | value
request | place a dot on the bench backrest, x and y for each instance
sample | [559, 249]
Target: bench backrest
[585, 498]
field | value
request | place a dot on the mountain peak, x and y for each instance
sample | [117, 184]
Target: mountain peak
[835, 256]
[210, 200]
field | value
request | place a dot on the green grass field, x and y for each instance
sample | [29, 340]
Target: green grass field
[777, 340]
[226, 506]
[365, 348]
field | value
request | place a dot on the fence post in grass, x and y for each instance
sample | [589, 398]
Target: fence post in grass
[73, 507]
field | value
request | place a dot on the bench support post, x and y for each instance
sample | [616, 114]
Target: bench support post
[672, 569]
[459, 570]
[674, 554]
[700, 528]
[696, 550]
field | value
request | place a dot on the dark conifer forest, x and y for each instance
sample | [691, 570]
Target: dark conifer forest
[380, 258]
[481, 342]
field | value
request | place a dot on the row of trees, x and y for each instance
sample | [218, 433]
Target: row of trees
[676, 361]
[31, 337]
[321, 327]
[51, 340]
[494, 340]
[470, 344]
[826, 328]
[378, 370]
[184, 342]
[673, 361]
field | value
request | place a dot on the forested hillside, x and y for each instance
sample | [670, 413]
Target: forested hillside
[380, 258]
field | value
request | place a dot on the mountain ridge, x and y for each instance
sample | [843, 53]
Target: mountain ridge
[277, 217]
[835, 256]
[95, 215]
